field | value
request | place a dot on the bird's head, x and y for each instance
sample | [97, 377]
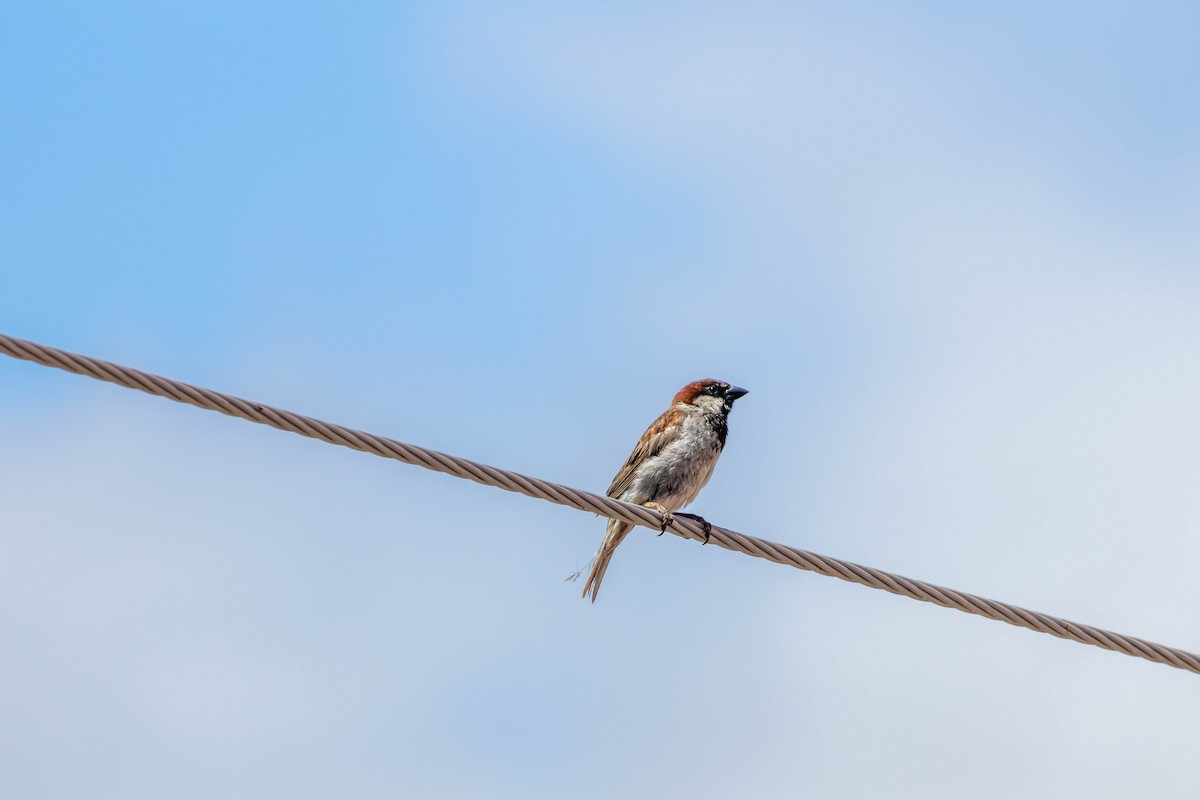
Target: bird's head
[713, 396]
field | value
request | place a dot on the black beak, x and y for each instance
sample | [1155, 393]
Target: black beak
[733, 393]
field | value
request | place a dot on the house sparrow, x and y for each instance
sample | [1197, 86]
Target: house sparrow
[671, 463]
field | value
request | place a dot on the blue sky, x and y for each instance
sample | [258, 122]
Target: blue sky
[950, 250]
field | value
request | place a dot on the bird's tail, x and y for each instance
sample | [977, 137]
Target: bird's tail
[612, 537]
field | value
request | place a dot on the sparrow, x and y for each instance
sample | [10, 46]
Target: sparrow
[670, 464]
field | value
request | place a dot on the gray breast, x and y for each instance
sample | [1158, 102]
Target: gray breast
[675, 476]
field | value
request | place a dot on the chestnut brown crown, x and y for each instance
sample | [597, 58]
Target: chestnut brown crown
[708, 387]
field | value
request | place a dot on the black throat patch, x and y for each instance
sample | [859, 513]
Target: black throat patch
[720, 426]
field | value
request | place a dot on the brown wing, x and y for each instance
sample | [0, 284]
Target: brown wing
[661, 433]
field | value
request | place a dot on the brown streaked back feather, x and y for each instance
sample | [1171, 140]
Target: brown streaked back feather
[661, 433]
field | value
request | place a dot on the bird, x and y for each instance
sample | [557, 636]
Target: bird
[670, 464]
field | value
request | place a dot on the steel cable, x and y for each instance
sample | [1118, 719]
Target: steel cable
[598, 504]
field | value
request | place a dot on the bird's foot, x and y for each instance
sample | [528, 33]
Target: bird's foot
[667, 516]
[703, 524]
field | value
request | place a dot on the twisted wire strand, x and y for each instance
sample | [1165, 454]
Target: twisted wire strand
[598, 504]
